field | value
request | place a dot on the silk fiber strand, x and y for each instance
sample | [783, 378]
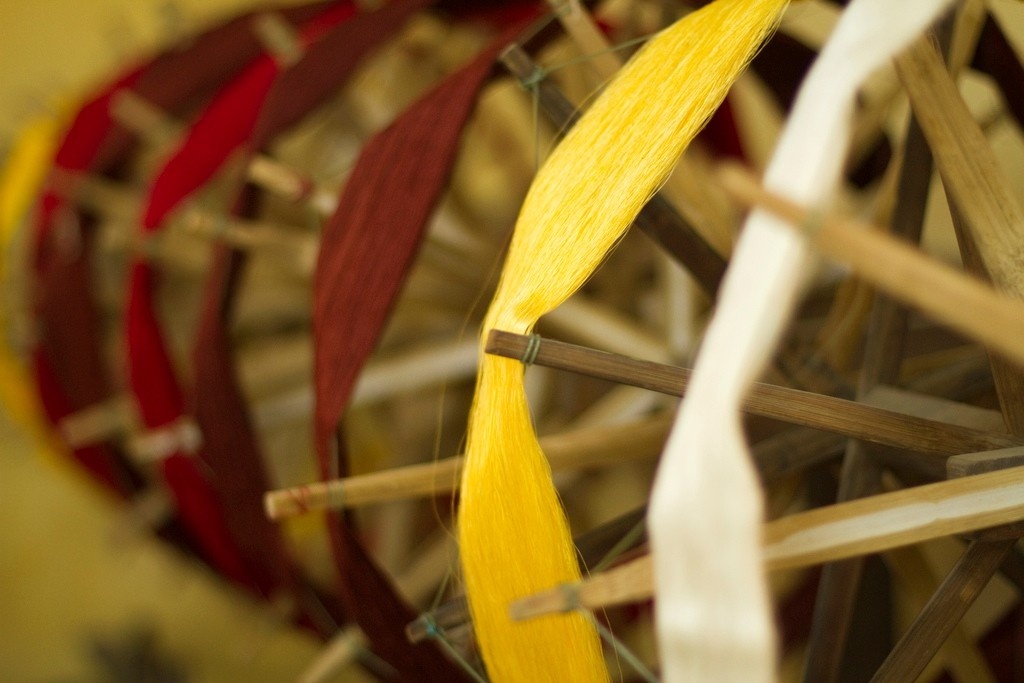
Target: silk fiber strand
[513, 533]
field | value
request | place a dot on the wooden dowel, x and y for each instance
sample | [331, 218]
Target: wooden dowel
[339, 652]
[967, 165]
[827, 413]
[794, 450]
[594, 447]
[279, 38]
[989, 222]
[963, 302]
[586, 320]
[592, 547]
[860, 473]
[935, 408]
[296, 249]
[447, 615]
[977, 463]
[157, 128]
[860, 527]
[103, 196]
[99, 422]
[413, 370]
[416, 582]
[289, 183]
[776, 456]
[583, 31]
[423, 366]
[142, 117]
[943, 612]
[960, 655]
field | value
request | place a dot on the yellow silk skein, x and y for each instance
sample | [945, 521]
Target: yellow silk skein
[20, 180]
[513, 534]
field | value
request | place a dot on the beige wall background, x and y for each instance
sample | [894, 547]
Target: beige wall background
[53, 50]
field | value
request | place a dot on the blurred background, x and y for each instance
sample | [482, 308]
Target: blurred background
[82, 597]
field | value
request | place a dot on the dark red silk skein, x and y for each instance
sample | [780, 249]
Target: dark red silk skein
[231, 446]
[367, 248]
[223, 126]
[69, 367]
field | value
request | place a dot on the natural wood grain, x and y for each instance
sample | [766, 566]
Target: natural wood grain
[943, 612]
[582, 448]
[960, 655]
[859, 527]
[978, 463]
[860, 474]
[967, 165]
[989, 223]
[829, 413]
[962, 302]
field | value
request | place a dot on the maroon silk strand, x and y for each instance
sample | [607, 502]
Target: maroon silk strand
[366, 250]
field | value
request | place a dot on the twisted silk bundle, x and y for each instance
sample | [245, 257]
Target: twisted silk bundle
[513, 534]
[20, 179]
[713, 616]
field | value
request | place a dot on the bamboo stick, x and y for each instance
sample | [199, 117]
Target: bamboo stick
[620, 534]
[566, 451]
[860, 473]
[294, 248]
[586, 320]
[859, 527]
[959, 655]
[943, 612]
[968, 166]
[978, 463]
[99, 422]
[158, 129]
[935, 408]
[279, 38]
[145, 119]
[962, 302]
[829, 413]
[989, 222]
[577, 449]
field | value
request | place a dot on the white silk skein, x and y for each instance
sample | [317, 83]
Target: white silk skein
[713, 612]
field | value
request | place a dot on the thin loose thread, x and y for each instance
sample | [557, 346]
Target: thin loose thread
[581, 59]
[435, 632]
[531, 83]
[532, 349]
[571, 601]
[623, 544]
[621, 649]
[535, 102]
